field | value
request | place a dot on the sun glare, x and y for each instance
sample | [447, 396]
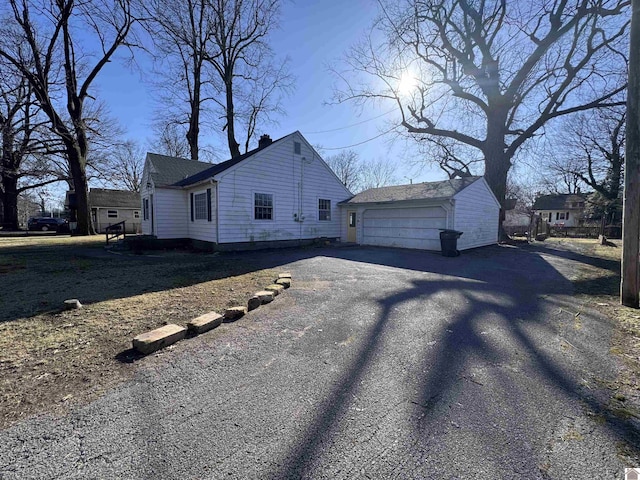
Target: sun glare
[406, 84]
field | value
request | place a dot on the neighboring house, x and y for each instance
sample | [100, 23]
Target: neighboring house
[279, 193]
[560, 210]
[412, 216]
[114, 206]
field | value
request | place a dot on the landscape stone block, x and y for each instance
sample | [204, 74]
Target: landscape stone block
[285, 282]
[253, 303]
[205, 322]
[265, 296]
[234, 313]
[159, 338]
[284, 275]
[72, 304]
[275, 288]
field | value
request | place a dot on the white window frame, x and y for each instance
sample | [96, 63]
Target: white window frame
[328, 211]
[136, 214]
[273, 207]
[112, 213]
[200, 215]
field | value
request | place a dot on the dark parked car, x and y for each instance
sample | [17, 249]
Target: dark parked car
[48, 223]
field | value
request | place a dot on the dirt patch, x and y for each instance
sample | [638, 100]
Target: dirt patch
[597, 283]
[51, 359]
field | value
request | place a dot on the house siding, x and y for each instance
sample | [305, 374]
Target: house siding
[174, 218]
[476, 214]
[132, 224]
[203, 230]
[296, 181]
[573, 221]
[145, 192]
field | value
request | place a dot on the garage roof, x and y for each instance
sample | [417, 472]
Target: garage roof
[417, 191]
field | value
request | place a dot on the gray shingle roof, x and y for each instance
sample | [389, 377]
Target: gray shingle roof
[558, 202]
[169, 170]
[417, 191]
[219, 167]
[102, 197]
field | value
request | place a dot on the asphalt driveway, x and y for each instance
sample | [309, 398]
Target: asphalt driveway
[377, 363]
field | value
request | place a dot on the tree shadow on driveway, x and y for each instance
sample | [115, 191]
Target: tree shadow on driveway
[514, 290]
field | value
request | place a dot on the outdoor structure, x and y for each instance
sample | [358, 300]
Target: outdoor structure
[109, 207]
[280, 193]
[412, 216]
[560, 210]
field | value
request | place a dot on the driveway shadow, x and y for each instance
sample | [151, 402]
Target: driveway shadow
[505, 284]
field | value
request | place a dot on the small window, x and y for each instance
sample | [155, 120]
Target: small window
[263, 206]
[145, 209]
[200, 206]
[112, 213]
[136, 214]
[560, 216]
[352, 219]
[324, 209]
[297, 148]
[567, 216]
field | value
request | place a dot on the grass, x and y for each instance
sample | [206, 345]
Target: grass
[598, 283]
[51, 358]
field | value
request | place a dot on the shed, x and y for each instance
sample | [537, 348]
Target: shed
[412, 216]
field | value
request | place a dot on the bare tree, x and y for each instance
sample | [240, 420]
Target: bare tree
[25, 144]
[348, 168]
[170, 141]
[490, 74]
[377, 173]
[183, 36]
[40, 42]
[592, 147]
[250, 82]
[125, 166]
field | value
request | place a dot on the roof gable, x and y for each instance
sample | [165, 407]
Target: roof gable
[103, 197]
[417, 191]
[166, 170]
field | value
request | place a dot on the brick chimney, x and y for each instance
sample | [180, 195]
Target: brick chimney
[265, 140]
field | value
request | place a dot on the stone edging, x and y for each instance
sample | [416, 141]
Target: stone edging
[159, 338]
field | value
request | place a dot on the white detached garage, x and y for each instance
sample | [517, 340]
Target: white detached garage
[412, 216]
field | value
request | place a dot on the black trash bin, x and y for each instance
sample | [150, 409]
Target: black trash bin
[449, 243]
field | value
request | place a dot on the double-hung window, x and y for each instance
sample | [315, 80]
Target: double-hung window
[324, 209]
[200, 206]
[263, 206]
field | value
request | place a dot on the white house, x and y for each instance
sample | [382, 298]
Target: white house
[281, 192]
[412, 216]
[564, 210]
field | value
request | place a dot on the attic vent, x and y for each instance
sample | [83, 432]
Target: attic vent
[297, 148]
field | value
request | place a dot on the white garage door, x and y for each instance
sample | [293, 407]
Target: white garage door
[416, 227]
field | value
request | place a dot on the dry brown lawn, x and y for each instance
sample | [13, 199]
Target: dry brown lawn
[598, 283]
[50, 359]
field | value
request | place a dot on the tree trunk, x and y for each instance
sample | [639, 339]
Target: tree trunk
[80, 187]
[10, 202]
[194, 119]
[234, 146]
[497, 162]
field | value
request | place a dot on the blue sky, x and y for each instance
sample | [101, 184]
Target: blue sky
[314, 35]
